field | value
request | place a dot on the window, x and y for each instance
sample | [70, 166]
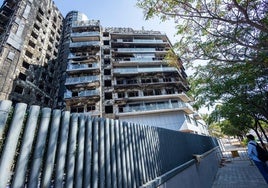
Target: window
[109, 109]
[32, 44]
[107, 71]
[36, 27]
[167, 79]
[108, 95]
[25, 64]
[107, 83]
[106, 42]
[133, 94]
[91, 108]
[34, 35]
[120, 82]
[22, 76]
[106, 52]
[107, 61]
[170, 91]
[157, 92]
[121, 95]
[148, 92]
[28, 54]
[18, 89]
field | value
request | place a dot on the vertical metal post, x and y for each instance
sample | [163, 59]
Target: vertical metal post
[9, 149]
[118, 154]
[80, 153]
[107, 154]
[26, 147]
[123, 153]
[113, 155]
[51, 149]
[95, 172]
[127, 151]
[148, 152]
[4, 111]
[39, 148]
[88, 153]
[101, 155]
[137, 169]
[71, 152]
[139, 137]
[131, 155]
[62, 150]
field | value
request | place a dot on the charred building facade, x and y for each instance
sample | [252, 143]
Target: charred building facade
[122, 73]
[30, 33]
[77, 65]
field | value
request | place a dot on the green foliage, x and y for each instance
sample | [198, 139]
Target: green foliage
[232, 38]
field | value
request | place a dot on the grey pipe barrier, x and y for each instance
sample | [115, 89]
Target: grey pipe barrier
[45, 148]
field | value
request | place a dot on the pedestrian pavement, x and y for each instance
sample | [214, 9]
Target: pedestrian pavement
[239, 174]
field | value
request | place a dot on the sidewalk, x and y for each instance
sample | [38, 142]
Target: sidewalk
[239, 174]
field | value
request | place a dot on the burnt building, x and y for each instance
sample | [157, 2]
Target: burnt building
[75, 64]
[30, 33]
[123, 73]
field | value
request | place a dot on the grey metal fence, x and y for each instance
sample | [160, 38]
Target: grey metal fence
[54, 148]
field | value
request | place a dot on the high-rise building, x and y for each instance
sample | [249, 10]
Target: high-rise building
[78, 65]
[30, 32]
[122, 73]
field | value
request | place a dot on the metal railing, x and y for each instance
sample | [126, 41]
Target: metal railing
[41, 147]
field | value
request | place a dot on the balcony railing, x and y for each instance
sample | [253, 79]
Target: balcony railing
[83, 79]
[136, 49]
[147, 41]
[82, 66]
[159, 106]
[87, 93]
[85, 23]
[142, 70]
[83, 44]
[85, 34]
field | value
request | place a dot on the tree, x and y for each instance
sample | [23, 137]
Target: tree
[223, 31]
[232, 36]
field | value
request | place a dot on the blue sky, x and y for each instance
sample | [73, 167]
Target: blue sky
[116, 13]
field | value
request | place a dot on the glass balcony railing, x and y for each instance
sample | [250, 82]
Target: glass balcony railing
[147, 41]
[136, 49]
[85, 23]
[71, 67]
[81, 44]
[83, 79]
[87, 93]
[85, 34]
[142, 70]
[157, 106]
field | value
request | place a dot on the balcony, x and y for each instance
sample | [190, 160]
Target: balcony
[85, 23]
[81, 67]
[123, 71]
[156, 107]
[87, 93]
[184, 97]
[85, 36]
[84, 44]
[80, 80]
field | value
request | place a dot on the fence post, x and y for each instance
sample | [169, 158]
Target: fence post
[9, 150]
[62, 150]
[4, 111]
[71, 151]
[51, 149]
[27, 142]
[39, 148]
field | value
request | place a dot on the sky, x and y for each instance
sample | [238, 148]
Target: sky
[116, 13]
